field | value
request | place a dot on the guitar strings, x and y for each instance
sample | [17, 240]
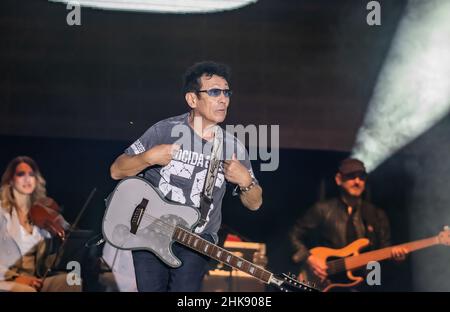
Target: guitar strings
[164, 225]
[167, 228]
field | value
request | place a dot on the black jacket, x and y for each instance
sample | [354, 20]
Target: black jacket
[325, 224]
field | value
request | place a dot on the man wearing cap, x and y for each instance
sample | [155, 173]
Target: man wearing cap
[337, 222]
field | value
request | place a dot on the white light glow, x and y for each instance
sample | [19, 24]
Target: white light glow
[163, 6]
[413, 89]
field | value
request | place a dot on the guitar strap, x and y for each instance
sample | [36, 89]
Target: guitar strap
[206, 197]
[369, 221]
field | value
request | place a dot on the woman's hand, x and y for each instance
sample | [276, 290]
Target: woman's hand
[31, 281]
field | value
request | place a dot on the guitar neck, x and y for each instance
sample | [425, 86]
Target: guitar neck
[213, 251]
[361, 260]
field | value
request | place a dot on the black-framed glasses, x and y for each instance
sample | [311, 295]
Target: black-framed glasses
[215, 92]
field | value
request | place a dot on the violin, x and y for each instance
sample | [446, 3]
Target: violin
[45, 213]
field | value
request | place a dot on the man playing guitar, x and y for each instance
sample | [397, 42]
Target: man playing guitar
[337, 222]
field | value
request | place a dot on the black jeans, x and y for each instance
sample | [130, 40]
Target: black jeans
[153, 275]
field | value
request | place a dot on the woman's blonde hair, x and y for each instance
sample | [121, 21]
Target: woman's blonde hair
[6, 190]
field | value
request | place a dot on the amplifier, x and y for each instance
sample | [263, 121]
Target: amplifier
[226, 279]
[231, 281]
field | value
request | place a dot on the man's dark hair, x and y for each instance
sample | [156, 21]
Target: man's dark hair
[191, 79]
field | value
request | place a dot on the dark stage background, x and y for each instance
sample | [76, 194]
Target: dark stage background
[74, 97]
[307, 65]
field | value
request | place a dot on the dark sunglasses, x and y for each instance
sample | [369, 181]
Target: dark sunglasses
[215, 92]
[350, 176]
[23, 173]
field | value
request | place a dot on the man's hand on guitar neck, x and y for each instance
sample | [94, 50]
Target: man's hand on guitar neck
[318, 267]
[399, 253]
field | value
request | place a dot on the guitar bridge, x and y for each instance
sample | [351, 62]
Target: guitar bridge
[138, 213]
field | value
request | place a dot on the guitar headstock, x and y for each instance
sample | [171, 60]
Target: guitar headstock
[444, 236]
[289, 283]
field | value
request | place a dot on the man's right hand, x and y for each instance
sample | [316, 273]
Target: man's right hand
[130, 165]
[32, 281]
[318, 267]
[161, 154]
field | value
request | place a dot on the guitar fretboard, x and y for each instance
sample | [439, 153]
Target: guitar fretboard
[358, 261]
[205, 247]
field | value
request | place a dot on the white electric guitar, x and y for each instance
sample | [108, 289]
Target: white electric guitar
[138, 217]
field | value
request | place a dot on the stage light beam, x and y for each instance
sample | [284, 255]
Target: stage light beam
[412, 92]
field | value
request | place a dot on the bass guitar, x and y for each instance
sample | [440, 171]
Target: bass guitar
[345, 260]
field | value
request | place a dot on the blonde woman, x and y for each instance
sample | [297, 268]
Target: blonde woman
[24, 247]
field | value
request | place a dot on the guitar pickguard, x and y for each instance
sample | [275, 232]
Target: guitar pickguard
[157, 236]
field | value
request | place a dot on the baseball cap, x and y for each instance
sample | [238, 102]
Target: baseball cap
[352, 167]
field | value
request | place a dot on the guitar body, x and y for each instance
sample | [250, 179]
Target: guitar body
[138, 217]
[341, 280]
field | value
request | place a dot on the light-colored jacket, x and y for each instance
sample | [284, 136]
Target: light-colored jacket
[10, 256]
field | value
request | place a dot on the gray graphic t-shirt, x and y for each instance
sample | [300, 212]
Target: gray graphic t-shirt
[183, 178]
